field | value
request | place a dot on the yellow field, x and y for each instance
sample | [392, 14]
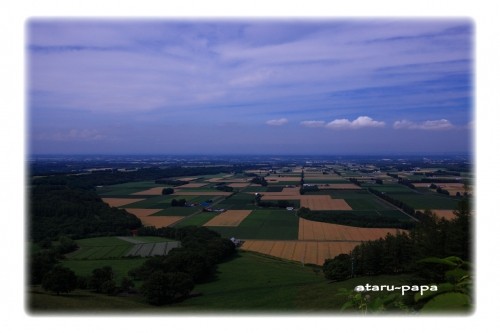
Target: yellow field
[309, 252]
[151, 191]
[230, 218]
[188, 179]
[238, 184]
[117, 202]
[160, 221]
[320, 231]
[323, 202]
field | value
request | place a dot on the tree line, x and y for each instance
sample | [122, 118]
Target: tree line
[56, 210]
[408, 252]
[353, 220]
[165, 279]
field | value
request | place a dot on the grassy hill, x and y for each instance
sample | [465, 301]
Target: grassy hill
[249, 283]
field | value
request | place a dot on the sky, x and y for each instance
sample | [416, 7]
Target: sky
[261, 86]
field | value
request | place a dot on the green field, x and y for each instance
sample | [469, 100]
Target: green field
[120, 266]
[238, 201]
[177, 211]
[196, 220]
[390, 188]
[264, 224]
[427, 201]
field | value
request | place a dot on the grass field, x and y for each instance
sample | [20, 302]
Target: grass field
[120, 266]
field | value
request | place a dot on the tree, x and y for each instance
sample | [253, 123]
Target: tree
[100, 280]
[66, 245]
[162, 288]
[338, 268]
[40, 264]
[59, 280]
[167, 191]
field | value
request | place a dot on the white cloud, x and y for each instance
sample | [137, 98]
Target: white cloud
[362, 121]
[441, 124]
[313, 123]
[277, 122]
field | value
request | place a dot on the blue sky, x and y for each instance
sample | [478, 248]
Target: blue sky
[250, 86]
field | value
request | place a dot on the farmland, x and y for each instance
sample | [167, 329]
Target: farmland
[271, 230]
[262, 209]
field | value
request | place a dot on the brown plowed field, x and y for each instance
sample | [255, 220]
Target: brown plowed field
[160, 221]
[230, 218]
[117, 202]
[323, 202]
[151, 191]
[238, 184]
[311, 230]
[309, 252]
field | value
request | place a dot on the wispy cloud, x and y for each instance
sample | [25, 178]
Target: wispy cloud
[277, 122]
[72, 135]
[181, 73]
[441, 124]
[313, 123]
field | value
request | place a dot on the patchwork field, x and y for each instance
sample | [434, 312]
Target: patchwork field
[117, 247]
[264, 224]
[274, 231]
[230, 218]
